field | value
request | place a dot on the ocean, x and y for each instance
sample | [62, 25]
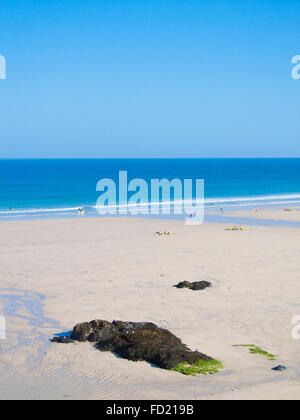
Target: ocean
[48, 187]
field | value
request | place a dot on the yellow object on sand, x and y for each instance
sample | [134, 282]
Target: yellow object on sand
[166, 232]
[236, 227]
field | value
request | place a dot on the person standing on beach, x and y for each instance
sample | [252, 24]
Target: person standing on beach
[80, 212]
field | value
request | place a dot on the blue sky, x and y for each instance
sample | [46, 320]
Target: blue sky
[159, 78]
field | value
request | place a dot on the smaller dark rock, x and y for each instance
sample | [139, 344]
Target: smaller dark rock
[196, 285]
[64, 340]
[279, 368]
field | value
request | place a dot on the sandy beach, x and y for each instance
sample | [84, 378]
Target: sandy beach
[288, 213]
[58, 272]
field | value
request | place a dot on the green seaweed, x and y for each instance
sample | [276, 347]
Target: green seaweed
[257, 350]
[202, 367]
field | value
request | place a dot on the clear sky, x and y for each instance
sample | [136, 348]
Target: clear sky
[149, 78]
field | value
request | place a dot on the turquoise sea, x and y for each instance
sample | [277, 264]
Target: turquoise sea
[58, 187]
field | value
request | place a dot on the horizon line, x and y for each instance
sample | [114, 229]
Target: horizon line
[146, 158]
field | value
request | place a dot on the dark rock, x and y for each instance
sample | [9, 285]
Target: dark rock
[93, 331]
[196, 285]
[137, 341]
[65, 340]
[279, 368]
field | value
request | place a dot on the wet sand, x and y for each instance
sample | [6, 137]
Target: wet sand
[291, 214]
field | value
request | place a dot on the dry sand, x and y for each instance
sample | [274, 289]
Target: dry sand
[119, 269]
